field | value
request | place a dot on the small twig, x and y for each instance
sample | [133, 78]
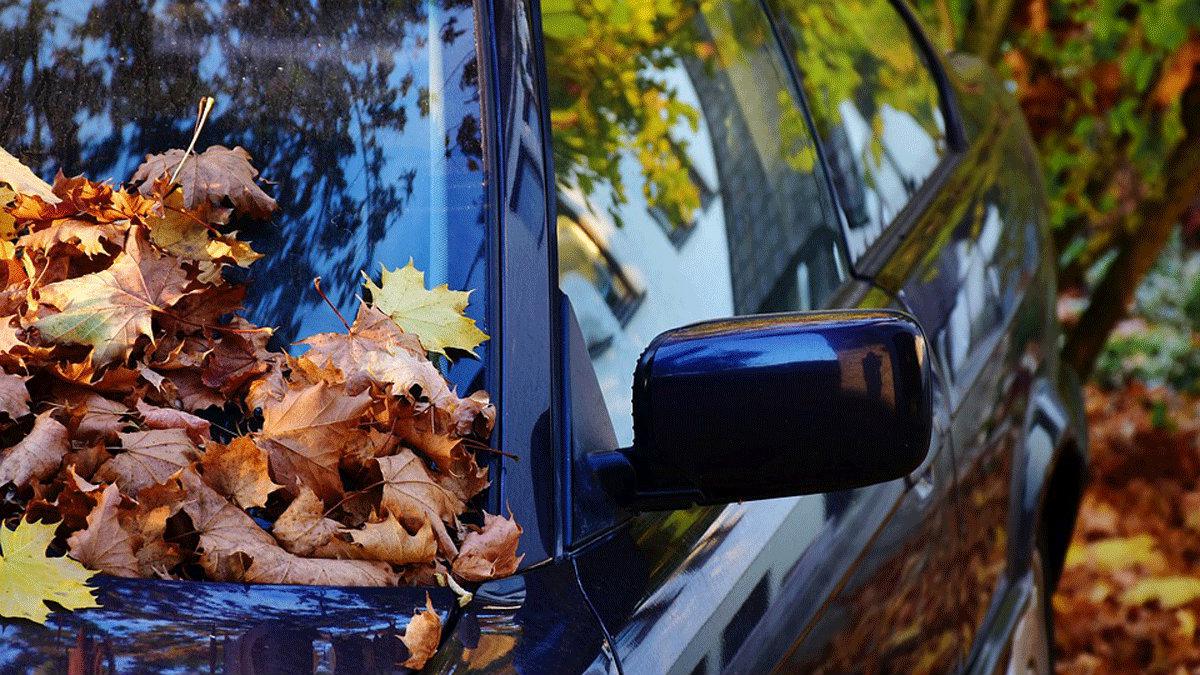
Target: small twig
[205, 107]
[354, 493]
[317, 285]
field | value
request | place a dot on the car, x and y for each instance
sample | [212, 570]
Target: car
[770, 287]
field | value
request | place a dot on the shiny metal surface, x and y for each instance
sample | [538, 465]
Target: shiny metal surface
[776, 405]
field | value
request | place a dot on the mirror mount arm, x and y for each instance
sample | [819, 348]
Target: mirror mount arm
[617, 473]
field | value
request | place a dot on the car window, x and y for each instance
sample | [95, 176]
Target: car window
[875, 105]
[366, 123]
[688, 180]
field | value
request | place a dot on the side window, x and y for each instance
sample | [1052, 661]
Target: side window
[688, 181]
[875, 105]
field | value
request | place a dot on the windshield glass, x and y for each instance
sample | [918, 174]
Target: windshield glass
[363, 118]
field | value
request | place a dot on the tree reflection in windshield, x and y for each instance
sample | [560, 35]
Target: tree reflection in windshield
[369, 162]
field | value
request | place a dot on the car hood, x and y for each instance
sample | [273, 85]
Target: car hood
[186, 627]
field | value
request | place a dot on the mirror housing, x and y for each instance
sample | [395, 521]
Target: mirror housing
[770, 406]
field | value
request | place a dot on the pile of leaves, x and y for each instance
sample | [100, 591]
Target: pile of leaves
[1129, 597]
[122, 354]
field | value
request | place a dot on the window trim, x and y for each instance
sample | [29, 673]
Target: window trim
[872, 260]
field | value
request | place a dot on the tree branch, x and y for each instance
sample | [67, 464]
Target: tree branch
[1110, 300]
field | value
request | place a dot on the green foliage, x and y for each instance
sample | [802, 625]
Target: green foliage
[1162, 345]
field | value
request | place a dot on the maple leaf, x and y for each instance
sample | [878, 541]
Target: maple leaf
[37, 455]
[238, 471]
[386, 540]
[375, 350]
[305, 432]
[23, 181]
[276, 566]
[8, 224]
[303, 527]
[189, 234]
[170, 418]
[489, 552]
[86, 236]
[233, 362]
[210, 177]
[409, 492]
[104, 545]
[422, 636]
[435, 316]
[14, 396]
[28, 578]
[224, 529]
[149, 458]
[111, 308]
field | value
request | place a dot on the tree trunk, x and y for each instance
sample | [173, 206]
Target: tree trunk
[1111, 298]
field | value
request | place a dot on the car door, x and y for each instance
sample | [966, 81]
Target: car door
[943, 157]
[714, 203]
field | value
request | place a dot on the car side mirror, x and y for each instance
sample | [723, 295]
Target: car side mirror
[771, 406]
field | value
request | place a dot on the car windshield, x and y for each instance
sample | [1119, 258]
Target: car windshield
[363, 118]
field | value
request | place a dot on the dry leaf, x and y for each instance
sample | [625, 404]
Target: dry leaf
[104, 545]
[28, 577]
[280, 567]
[170, 418]
[223, 528]
[18, 176]
[490, 552]
[210, 177]
[238, 471]
[109, 309]
[14, 397]
[422, 636]
[303, 527]
[149, 458]
[304, 435]
[388, 541]
[37, 455]
[410, 493]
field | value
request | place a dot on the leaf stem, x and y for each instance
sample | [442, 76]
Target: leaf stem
[317, 285]
[205, 107]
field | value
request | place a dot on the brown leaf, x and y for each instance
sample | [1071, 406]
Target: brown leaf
[149, 458]
[303, 527]
[233, 362]
[83, 236]
[474, 414]
[490, 552]
[422, 636]
[388, 541]
[104, 545]
[101, 418]
[37, 455]
[410, 493]
[210, 177]
[223, 528]
[14, 397]
[169, 418]
[304, 434]
[373, 340]
[110, 309]
[276, 566]
[238, 471]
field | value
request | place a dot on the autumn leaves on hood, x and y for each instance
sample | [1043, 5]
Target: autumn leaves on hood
[354, 464]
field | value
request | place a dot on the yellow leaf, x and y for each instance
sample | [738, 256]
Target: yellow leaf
[1117, 553]
[28, 578]
[436, 317]
[18, 176]
[1170, 592]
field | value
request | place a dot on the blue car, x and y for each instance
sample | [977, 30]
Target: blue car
[771, 295]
